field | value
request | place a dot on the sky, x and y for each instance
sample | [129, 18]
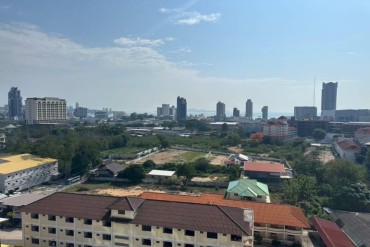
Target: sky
[135, 55]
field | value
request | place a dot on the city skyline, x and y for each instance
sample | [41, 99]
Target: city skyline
[118, 60]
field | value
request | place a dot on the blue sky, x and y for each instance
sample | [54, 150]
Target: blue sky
[136, 55]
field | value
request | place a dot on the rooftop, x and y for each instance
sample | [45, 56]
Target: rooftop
[15, 163]
[161, 173]
[264, 213]
[21, 200]
[264, 166]
[248, 187]
[330, 233]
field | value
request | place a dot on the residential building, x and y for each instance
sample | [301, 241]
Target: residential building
[330, 234]
[67, 219]
[236, 112]
[80, 112]
[108, 169]
[173, 112]
[249, 109]
[237, 159]
[248, 190]
[265, 112]
[347, 148]
[46, 110]
[249, 126]
[305, 112]
[14, 103]
[181, 112]
[220, 111]
[2, 141]
[23, 171]
[306, 127]
[159, 176]
[328, 100]
[101, 114]
[165, 109]
[159, 111]
[277, 129]
[362, 134]
[271, 221]
[266, 171]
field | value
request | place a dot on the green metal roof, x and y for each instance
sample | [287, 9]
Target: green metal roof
[248, 187]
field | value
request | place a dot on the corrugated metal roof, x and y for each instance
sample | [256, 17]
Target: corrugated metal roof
[248, 187]
[15, 163]
[161, 173]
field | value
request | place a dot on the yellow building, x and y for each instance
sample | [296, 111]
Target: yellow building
[23, 171]
[66, 219]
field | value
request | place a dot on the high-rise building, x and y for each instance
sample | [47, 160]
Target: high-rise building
[249, 109]
[329, 100]
[236, 112]
[220, 110]
[46, 110]
[165, 109]
[305, 112]
[159, 111]
[80, 112]
[14, 103]
[265, 112]
[181, 109]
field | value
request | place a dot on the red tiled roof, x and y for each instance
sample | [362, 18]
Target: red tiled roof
[264, 166]
[330, 233]
[264, 213]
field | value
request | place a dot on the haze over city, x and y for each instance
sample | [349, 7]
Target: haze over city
[135, 55]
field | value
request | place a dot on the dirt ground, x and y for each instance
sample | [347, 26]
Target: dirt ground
[236, 149]
[325, 156]
[163, 157]
[134, 191]
[218, 159]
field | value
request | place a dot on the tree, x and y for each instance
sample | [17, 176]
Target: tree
[318, 134]
[234, 172]
[342, 172]
[87, 156]
[202, 164]
[300, 189]
[224, 127]
[186, 170]
[149, 164]
[163, 141]
[134, 173]
[352, 197]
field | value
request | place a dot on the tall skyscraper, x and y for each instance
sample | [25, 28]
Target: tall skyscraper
[329, 100]
[236, 112]
[265, 112]
[181, 109]
[14, 103]
[220, 110]
[249, 109]
[165, 109]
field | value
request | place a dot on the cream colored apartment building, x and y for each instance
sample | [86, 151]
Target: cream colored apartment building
[23, 171]
[77, 220]
[46, 110]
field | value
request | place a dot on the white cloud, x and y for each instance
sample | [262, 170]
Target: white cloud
[350, 53]
[182, 17]
[138, 42]
[192, 18]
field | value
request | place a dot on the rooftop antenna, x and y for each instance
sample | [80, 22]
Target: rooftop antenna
[314, 92]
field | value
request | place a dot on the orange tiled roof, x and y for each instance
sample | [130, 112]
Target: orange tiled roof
[264, 213]
[264, 166]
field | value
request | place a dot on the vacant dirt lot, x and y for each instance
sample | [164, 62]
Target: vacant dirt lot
[133, 191]
[218, 159]
[163, 157]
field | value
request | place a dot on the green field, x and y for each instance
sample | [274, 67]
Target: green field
[188, 157]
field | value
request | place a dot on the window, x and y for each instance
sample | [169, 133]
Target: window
[189, 245]
[212, 235]
[121, 212]
[52, 230]
[69, 220]
[34, 216]
[167, 230]
[189, 233]
[167, 244]
[107, 223]
[122, 237]
[88, 222]
[69, 232]
[146, 228]
[121, 244]
[273, 235]
[70, 245]
[257, 233]
[34, 228]
[52, 243]
[146, 242]
[87, 234]
[52, 218]
[107, 237]
[236, 238]
[291, 238]
[35, 241]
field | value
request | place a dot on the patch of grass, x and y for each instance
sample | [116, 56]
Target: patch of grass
[88, 186]
[189, 157]
[123, 150]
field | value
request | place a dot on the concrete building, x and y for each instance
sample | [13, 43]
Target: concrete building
[165, 109]
[362, 134]
[14, 103]
[80, 112]
[220, 110]
[101, 114]
[72, 220]
[347, 148]
[23, 171]
[181, 109]
[271, 221]
[2, 141]
[266, 171]
[249, 126]
[265, 112]
[248, 190]
[277, 129]
[159, 176]
[360, 115]
[305, 112]
[236, 112]
[249, 109]
[46, 110]
[328, 100]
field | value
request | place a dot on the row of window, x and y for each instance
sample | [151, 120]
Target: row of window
[71, 220]
[52, 230]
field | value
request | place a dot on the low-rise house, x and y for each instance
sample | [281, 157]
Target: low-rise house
[271, 221]
[237, 159]
[266, 171]
[347, 148]
[159, 176]
[108, 169]
[330, 234]
[72, 220]
[24, 171]
[248, 190]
